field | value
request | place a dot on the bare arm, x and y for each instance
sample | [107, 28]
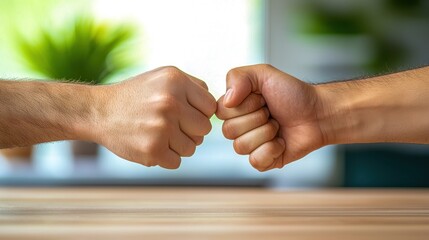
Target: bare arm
[390, 108]
[34, 112]
[304, 117]
[153, 118]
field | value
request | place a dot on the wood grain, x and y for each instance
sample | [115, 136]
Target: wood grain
[210, 213]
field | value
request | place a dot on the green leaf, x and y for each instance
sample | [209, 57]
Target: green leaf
[83, 50]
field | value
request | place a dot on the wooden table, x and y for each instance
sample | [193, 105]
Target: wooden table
[212, 213]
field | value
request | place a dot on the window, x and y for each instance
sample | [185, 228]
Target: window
[205, 38]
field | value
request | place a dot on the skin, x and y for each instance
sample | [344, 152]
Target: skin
[275, 118]
[152, 119]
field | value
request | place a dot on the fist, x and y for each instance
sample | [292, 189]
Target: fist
[270, 115]
[156, 117]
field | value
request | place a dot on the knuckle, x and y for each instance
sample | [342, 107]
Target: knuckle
[146, 161]
[189, 150]
[198, 140]
[203, 84]
[168, 104]
[176, 164]
[206, 128]
[272, 128]
[228, 130]
[170, 70]
[262, 116]
[171, 74]
[150, 163]
[267, 67]
[255, 164]
[232, 73]
[271, 149]
[240, 147]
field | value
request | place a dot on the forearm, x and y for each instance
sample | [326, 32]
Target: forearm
[34, 112]
[391, 108]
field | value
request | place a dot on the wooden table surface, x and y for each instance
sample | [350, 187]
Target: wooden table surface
[212, 213]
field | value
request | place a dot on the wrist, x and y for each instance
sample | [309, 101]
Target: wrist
[344, 113]
[88, 126]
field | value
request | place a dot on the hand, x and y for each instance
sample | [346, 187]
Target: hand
[270, 115]
[154, 118]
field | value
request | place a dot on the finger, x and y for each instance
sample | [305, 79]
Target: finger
[249, 141]
[252, 103]
[198, 140]
[193, 122]
[198, 81]
[276, 162]
[170, 160]
[268, 155]
[240, 82]
[201, 99]
[182, 144]
[235, 127]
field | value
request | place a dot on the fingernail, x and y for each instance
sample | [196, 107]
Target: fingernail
[228, 95]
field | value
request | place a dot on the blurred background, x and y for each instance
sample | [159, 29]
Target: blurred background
[107, 41]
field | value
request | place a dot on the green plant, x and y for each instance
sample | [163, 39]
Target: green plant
[320, 20]
[82, 50]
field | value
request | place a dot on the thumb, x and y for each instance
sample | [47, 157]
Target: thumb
[240, 82]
